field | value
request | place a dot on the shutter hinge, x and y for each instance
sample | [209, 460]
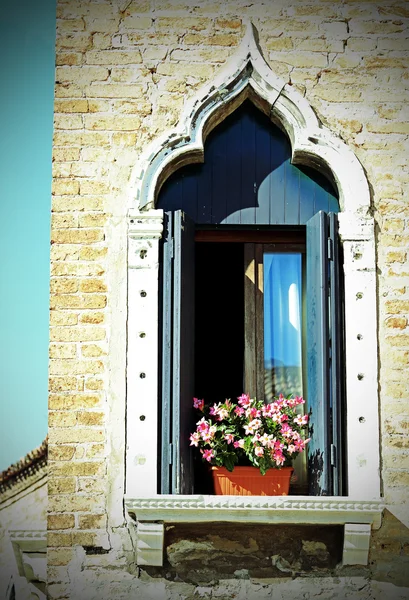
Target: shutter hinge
[330, 250]
[170, 454]
[333, 456]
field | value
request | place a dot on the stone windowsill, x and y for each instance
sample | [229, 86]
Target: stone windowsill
[327, 510]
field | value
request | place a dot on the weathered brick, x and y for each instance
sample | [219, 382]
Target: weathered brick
[63, 221]
[58, 556]
[75, 367]
[62, 419]
[80, 41]
[68, 58]
[78, 203]
[92, 350]
[63, 318]
[61, 521]
[76, 268]
[90, 418]
[68, 122]
[76, 469]
[95, 451]
[77, 334]
[114, 91]
[79, 302]
[92, 285]
[62, 351]
[93, 318]
[60, 402]
[63, 285]
[92, 253]
[183, 23]
[92, 521]
[81, 75]
[397, 306]
[113, 57]
[74, 503]
[94, 383]
[65, 187]
[396, 322]
[61, 485]
[66, 154]
[398, 340]
[75, 435]
[60, 453]
[59, 540]
[77, 236]
[59, 384]
[92, 485]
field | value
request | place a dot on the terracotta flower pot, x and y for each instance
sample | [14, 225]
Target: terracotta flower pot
[248, 481]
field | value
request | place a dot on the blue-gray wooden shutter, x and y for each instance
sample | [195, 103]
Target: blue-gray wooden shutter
[166, 353]
[337, 375]
[324, 344]
[177, 353]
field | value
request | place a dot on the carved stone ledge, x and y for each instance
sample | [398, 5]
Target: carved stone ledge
[358, 517]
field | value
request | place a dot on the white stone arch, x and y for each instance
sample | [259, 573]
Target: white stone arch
[247, 75]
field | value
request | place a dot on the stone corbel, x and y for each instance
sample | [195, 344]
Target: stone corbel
[150, 542]
[356, 543]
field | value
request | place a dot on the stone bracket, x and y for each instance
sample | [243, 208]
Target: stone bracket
[149, 543]
[356, 543]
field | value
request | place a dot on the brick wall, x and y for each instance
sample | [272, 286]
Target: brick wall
[124, 71]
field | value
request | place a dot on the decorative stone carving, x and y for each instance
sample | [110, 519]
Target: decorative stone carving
[357, 516]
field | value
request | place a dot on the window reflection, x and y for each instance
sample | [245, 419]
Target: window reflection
[282, 283]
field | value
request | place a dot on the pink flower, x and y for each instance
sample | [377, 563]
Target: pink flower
[286, 430]
[301, 420]
[239, 411]
[198, 403]
[252, 413]
[214, 409]
[291, 448]
[209, 434]
[279, 458]
[259, 451]
[202, 425]
[229, 437]
[252, 426]
[244, 400]
[194, 439]
[267, 410]
[239, 444]
[283, 418]
[222, 413]
[207, 454]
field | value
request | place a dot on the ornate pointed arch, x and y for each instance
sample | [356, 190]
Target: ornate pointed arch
[247, 75]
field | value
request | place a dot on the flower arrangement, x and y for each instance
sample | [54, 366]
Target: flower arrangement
[250, 432]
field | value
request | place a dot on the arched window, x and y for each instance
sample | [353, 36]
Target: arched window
[251, 295]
